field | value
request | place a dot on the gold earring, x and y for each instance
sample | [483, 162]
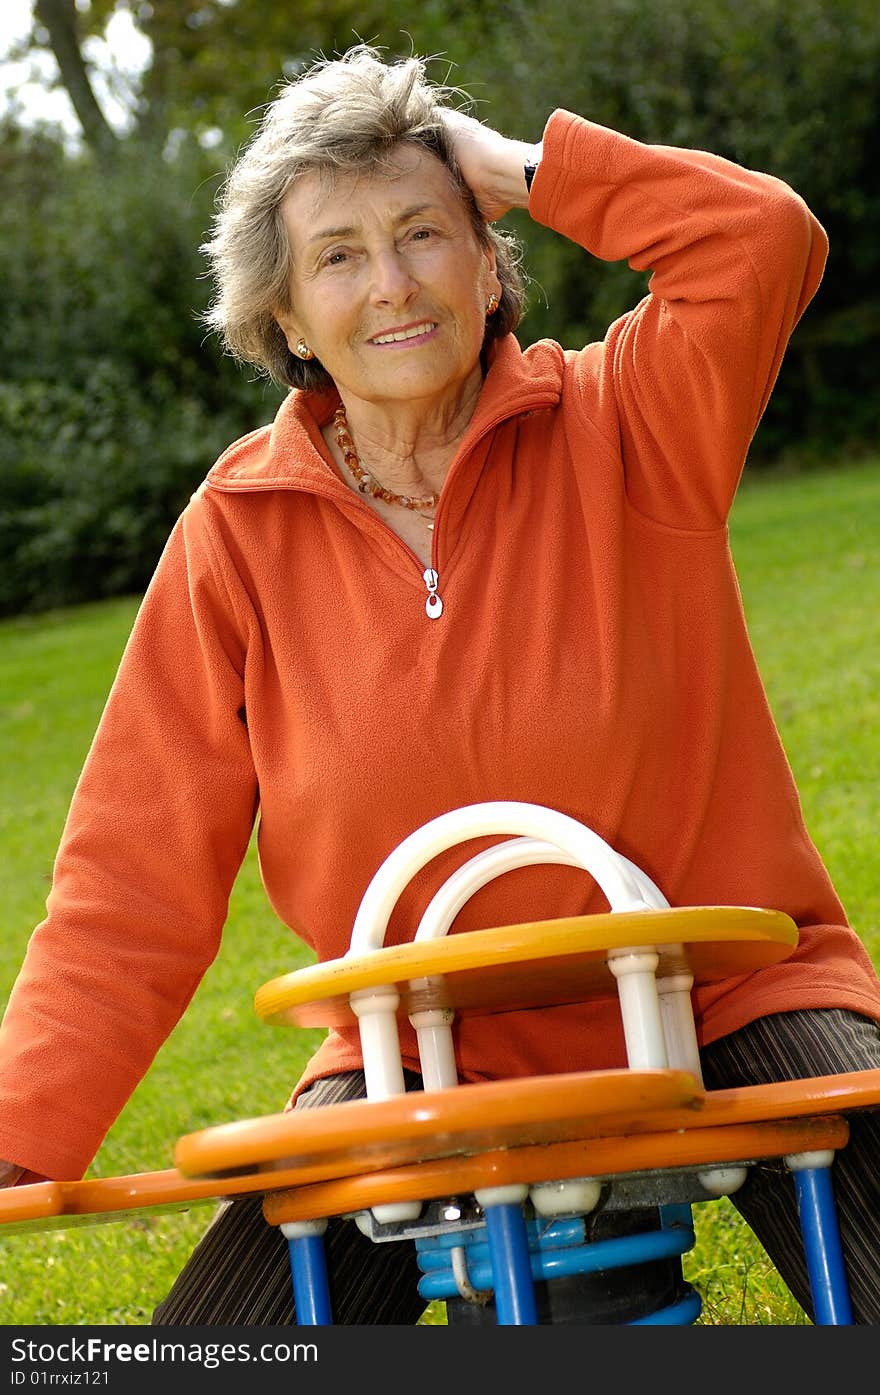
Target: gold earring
[303, 350]
[492, 304]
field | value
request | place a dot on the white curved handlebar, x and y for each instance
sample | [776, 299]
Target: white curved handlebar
[624, 886]
[505, 857]
[545, 836]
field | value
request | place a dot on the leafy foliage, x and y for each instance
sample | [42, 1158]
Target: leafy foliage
[112, 403]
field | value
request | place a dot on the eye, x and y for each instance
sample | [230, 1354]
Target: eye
[419, 234]
[335, 258]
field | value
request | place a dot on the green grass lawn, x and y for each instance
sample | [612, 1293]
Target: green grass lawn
[806, 553]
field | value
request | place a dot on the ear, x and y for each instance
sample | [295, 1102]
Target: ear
[492, 280]
[288, 326]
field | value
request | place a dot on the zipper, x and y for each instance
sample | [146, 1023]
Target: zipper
[430, 575]
[434, 603]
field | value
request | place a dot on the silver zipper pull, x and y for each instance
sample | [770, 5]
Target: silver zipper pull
[433, 605]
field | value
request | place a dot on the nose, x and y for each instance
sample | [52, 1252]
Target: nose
[392, 279]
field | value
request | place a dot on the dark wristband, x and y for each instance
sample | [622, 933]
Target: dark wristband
[531, 165]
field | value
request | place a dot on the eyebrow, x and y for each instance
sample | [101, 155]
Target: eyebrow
[327, 234]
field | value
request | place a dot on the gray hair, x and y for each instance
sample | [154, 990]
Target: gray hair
[340, 116]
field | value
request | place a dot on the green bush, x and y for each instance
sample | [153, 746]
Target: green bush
[113, 404]
[92, 477]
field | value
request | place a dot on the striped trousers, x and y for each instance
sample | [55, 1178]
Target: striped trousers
[239, 1273]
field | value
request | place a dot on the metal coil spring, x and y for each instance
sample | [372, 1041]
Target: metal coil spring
[556, 1249]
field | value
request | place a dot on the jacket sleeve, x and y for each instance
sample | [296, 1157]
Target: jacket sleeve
[157, 829]
[679, 383]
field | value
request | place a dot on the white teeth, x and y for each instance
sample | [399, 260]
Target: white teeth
[404, 334]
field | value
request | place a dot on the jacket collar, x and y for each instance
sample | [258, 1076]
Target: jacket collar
[289, 453]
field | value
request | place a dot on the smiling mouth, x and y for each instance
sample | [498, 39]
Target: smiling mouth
[399, 336]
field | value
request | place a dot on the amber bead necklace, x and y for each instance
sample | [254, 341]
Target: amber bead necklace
[366, 482]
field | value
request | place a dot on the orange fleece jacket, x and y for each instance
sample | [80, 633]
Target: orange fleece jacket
[591, 656]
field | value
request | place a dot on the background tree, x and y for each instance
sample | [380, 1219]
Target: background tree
[59, 17]
[214, 62]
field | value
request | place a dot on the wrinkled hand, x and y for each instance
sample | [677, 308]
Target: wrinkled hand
[491, 163]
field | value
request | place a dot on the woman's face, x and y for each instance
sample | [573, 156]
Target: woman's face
[389, 283]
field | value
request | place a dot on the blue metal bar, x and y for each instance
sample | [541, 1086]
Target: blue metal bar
[511, 1270]
[433, 1251]
[822, 1247]
[566, 1230]
[623, 1251]
[308, 1269]
[680, 1314]
[677, 1213]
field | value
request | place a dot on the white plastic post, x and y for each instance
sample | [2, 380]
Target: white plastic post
[679, 1031]
[640, 1007]
[376, 1012]
[436, 1050]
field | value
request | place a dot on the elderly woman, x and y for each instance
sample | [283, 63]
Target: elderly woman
[450, 571]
